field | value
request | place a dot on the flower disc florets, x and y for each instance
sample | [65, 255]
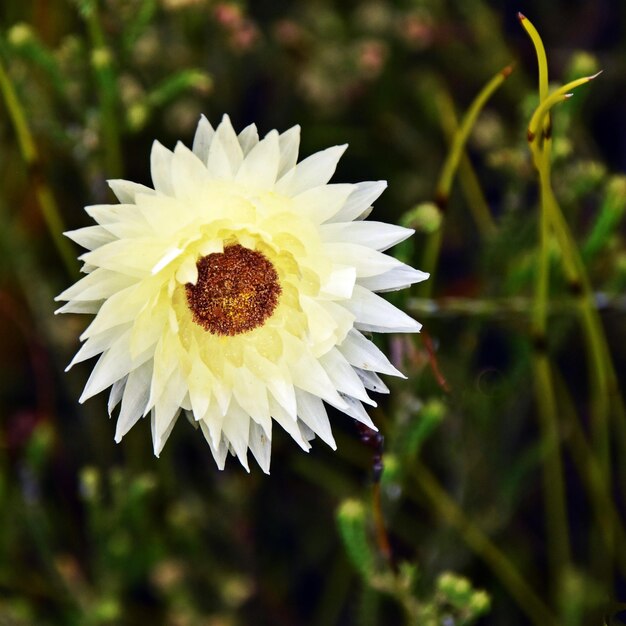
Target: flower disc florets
[235, 292]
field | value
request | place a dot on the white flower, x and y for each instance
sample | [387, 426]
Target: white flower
[236, 291]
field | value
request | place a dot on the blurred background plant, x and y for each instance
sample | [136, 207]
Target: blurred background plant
[504, 450]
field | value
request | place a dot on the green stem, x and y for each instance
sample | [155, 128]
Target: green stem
[102, 63]
[30, 154]
[528, 601]
[450, 166]
[471, 187]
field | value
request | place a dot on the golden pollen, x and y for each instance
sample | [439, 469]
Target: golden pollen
[236, 291]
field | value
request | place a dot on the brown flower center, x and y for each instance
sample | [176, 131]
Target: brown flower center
[236, 291]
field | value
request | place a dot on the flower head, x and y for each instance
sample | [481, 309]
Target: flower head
[236, 291]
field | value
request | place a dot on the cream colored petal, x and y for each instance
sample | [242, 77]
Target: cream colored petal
[360, 200]
[260, 445]
[111, 213]
[289, 143]
[189, 174]
[355, 410]
[314, 171]
[226, 136]
[289, 424]
[98, 285]
[112, 365]
[134, 400]
[79, 307]
[367, 262]
[251, 395]
[260, 166]
[397, 278]
[167, 407]
[309, 375]
[135, 257]
[120, 308]
[312, 412]
[90, 237]
[372, 381]
[236, 430]
[117, 390]
[321, 203]
[220, 451]
[161, 168]
[248, 138]
[339, 284]
[376, 235]
[364, 354]
[372, 313]
[343, 376]
[202, 139]
[159, 442]
[97, 344]
[126, 190]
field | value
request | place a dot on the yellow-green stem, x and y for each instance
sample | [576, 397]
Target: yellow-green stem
[528, 601]
[102, 63]
[469, 182]
[28, 149]
[450, 166]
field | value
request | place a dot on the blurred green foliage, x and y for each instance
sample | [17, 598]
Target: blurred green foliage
[505, 450]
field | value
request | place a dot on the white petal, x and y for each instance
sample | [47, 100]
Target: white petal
[375, 314]
[366, 261]
[236, 430]
[393, 280]
[219, 453]
[248, 138]
[261, 446]
[126, 190]
[372, 381]
[166, 259]
[134, 400]
[314, 171]
[187, 272]
[289, 143]
[343, 376]
[229, 150]
[289, 424]
[361, 200]
[116, 394]
[377, 235]
[167, 407]
[251, 395]
[114, 364]
[90, 237]
[189, 174]
[312, 412]
[320, 203]
[79, 307]
[97, 344]
[159, 441]
[355, 410]
[305, 431]
[260, 166]
[202, 139]
[339, 284]
[161, 168]
[364, 354]
[98, 285]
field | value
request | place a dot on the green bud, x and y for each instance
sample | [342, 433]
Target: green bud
[101, 58]
[90, 483]
[352, 520]
[479, 602]
[20, 34]
[425, 217]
